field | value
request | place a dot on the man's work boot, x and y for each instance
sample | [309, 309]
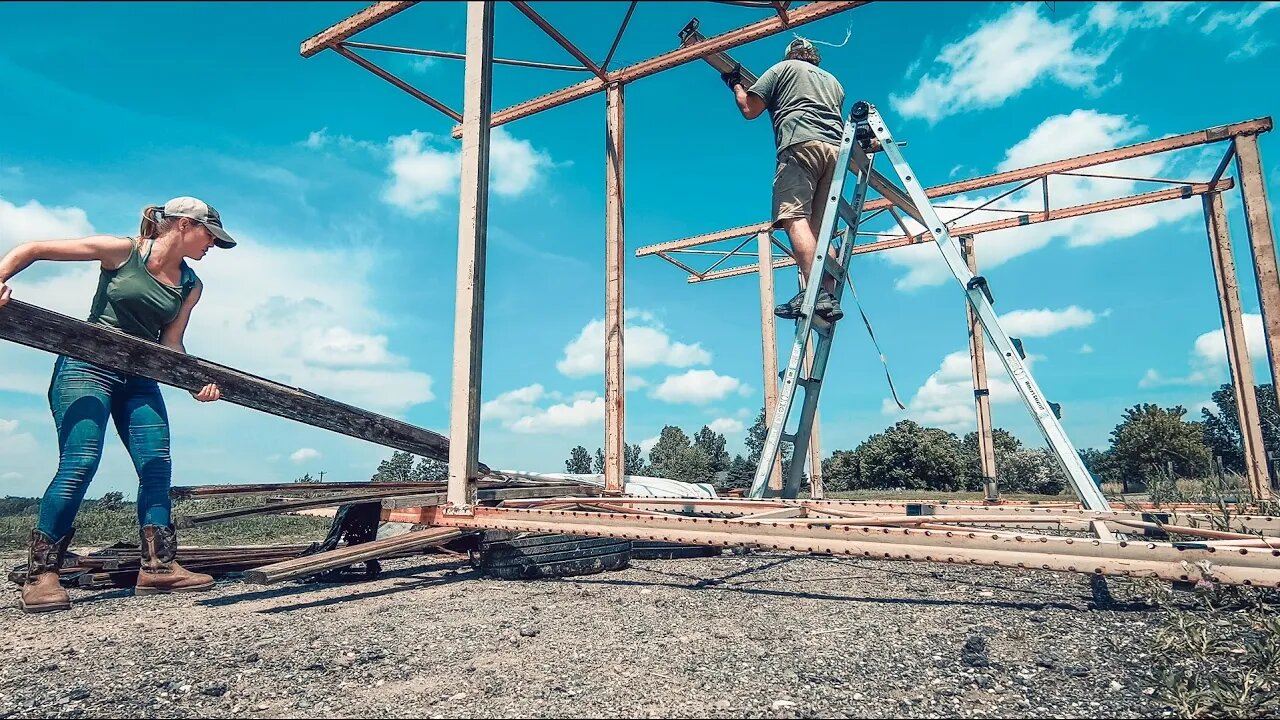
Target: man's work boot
[158, 571]
[790, 310]
[828, 307]
[41, 592]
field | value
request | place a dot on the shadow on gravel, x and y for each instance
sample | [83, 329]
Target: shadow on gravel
[422, 581]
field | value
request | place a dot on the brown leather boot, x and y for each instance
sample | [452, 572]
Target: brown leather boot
[158, 572]
[41, 591]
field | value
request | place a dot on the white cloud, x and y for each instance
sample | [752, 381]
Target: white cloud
[564, 416]
[1045, 322]
[422, 64]
[11, 476]
[304, 454]
[1250, 47]
[647, 444]
[635, 382]
[341, 347]
[726, 426]
[7, 426]
[1208, 357]
[1000, 59]
[1077, 133]
[322, 138]
[1085, 349]
[646, 345]
[946, 398]
[696, 387]
[34, 221]
[1243, 18]
[425, 169]
[513, 404]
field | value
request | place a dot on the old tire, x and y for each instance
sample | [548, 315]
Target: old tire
[528, 556]
[658, 550]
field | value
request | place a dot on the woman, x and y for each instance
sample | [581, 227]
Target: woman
[145, 289]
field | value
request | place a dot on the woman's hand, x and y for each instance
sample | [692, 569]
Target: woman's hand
[208, 393]
[5, 292]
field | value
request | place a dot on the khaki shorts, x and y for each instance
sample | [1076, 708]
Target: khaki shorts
[802, 181]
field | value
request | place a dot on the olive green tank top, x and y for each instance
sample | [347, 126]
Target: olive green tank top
[132, 300]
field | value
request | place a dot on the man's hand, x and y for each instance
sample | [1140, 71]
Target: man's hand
[733, 77]
[208, 393]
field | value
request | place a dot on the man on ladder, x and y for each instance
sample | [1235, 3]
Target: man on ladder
[804, 102]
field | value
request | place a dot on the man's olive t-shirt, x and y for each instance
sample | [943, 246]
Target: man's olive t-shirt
[804, 103]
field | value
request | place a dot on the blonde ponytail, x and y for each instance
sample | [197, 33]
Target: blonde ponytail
[150, 227]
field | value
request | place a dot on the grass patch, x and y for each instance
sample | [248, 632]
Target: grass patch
[100, 526]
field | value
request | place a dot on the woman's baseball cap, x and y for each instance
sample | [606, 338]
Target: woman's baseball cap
[203, 213]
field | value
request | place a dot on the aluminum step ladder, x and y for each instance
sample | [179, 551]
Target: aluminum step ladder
[865, 129]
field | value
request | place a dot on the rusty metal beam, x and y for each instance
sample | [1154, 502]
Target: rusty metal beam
[563, 41]
[1238, 362]
[367, 65]
[331, 36]
[1167, 561]
[1257, 212]
[1127, 152]
[748, 33]
[1060, 214]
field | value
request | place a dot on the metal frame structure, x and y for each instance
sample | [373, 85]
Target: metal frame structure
[1241, 135]
[1233, 549]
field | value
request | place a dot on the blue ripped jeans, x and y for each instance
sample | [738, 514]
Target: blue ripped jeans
[83, 396]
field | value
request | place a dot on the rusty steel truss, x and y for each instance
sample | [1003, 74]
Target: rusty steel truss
[1182, 544]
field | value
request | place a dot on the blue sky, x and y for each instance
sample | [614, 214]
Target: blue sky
[343, 193]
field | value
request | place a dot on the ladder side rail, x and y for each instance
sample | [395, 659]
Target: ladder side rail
[1089, 493]
[804, 324]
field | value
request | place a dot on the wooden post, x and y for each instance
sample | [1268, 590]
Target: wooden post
[1241, 368]
[1257, 214]
[769, 345]
[473, 212]
[981, 392]
[816, 490]
[615, 417]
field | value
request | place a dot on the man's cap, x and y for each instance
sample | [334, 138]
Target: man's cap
[801, 44]
[203, 213]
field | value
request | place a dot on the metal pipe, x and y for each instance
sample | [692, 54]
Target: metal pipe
[618, 38]
[460, 56]
[397, 82]
[556, 35]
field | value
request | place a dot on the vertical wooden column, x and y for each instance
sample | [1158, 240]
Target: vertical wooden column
[615, 397]
[1241, 368]
[1257, 215]
[981, 392]
[473, 212]
[816, 490]
[769, 346]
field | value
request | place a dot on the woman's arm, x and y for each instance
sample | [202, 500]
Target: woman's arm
[110, 250]
[171, 337]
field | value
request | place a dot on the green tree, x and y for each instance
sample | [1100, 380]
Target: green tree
[912, 457]
[675, 458]
[397, 468]
[598, 465]
[113, 500]
[1101, 463]
[756, 436]
[1150, 437]
[840, 471]
[712, 445]
[1034, 470]
[633, 460]
[741, 473]
[1005, 445]
[307, 478]
[579, 462]
[1222, 429]
[430, 470]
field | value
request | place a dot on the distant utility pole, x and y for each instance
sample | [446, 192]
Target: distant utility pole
[321, 476]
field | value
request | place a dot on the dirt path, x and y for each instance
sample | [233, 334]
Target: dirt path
[763, 635]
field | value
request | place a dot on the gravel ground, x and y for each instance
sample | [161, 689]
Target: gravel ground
[767, 635]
